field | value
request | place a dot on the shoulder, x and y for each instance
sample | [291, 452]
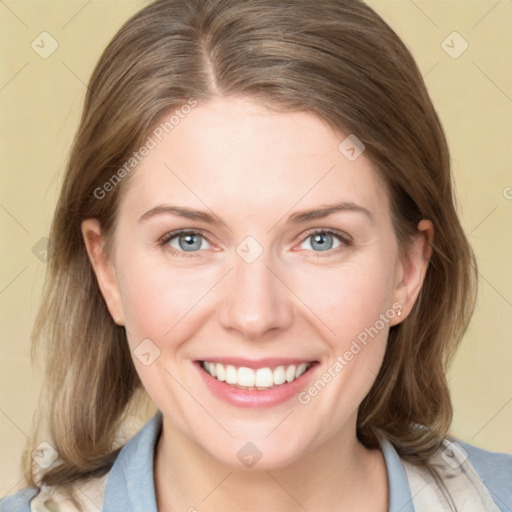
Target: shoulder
[462, 475]
[18, 502]
[89, 494]
[494, 469]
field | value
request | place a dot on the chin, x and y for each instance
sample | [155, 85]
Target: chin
[262, 455]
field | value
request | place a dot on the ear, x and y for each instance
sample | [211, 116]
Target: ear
[103, 268]
[412, 269]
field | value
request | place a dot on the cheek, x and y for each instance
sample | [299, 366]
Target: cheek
[348, 299]
[352, 312]
[351, 306]
[159, 299]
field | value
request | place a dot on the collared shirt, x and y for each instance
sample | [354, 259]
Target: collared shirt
[129, 485]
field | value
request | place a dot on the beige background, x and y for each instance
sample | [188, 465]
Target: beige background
[40, 101]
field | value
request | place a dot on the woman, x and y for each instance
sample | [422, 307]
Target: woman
[257, 229]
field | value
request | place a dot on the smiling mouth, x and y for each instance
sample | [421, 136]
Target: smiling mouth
[259, 379]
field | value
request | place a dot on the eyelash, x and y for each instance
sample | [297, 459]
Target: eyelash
[345, 242]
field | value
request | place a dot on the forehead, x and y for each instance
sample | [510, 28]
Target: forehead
[237, 156]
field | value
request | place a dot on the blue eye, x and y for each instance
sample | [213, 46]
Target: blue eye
[188, 244]
[322, 241]
[326, 242]
[184, 241]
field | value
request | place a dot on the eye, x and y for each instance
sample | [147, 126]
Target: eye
[326, 240]
[187, 243]
[181, 242]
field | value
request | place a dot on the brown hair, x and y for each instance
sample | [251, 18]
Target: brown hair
[336, 59]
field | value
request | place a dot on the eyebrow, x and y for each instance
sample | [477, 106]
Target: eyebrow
[295, 218]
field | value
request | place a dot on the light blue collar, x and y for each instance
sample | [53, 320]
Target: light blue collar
[400, 499]
[130, 483]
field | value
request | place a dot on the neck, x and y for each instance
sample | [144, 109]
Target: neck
[341, 474]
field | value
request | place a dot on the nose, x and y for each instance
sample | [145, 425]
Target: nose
[255, 299]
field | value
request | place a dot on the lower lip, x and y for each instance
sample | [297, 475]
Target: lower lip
[255, 398]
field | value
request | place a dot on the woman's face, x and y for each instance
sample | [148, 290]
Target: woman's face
[250, 289]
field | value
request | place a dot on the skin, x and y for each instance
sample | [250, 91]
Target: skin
[254, 168]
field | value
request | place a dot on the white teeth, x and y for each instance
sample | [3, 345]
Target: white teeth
[245, 377]
[301, 369]
[221, 373]
[279, 375]
[231, 376]
[290, 373]
[262, 378]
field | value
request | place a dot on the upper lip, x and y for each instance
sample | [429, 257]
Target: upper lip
[257, 363]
